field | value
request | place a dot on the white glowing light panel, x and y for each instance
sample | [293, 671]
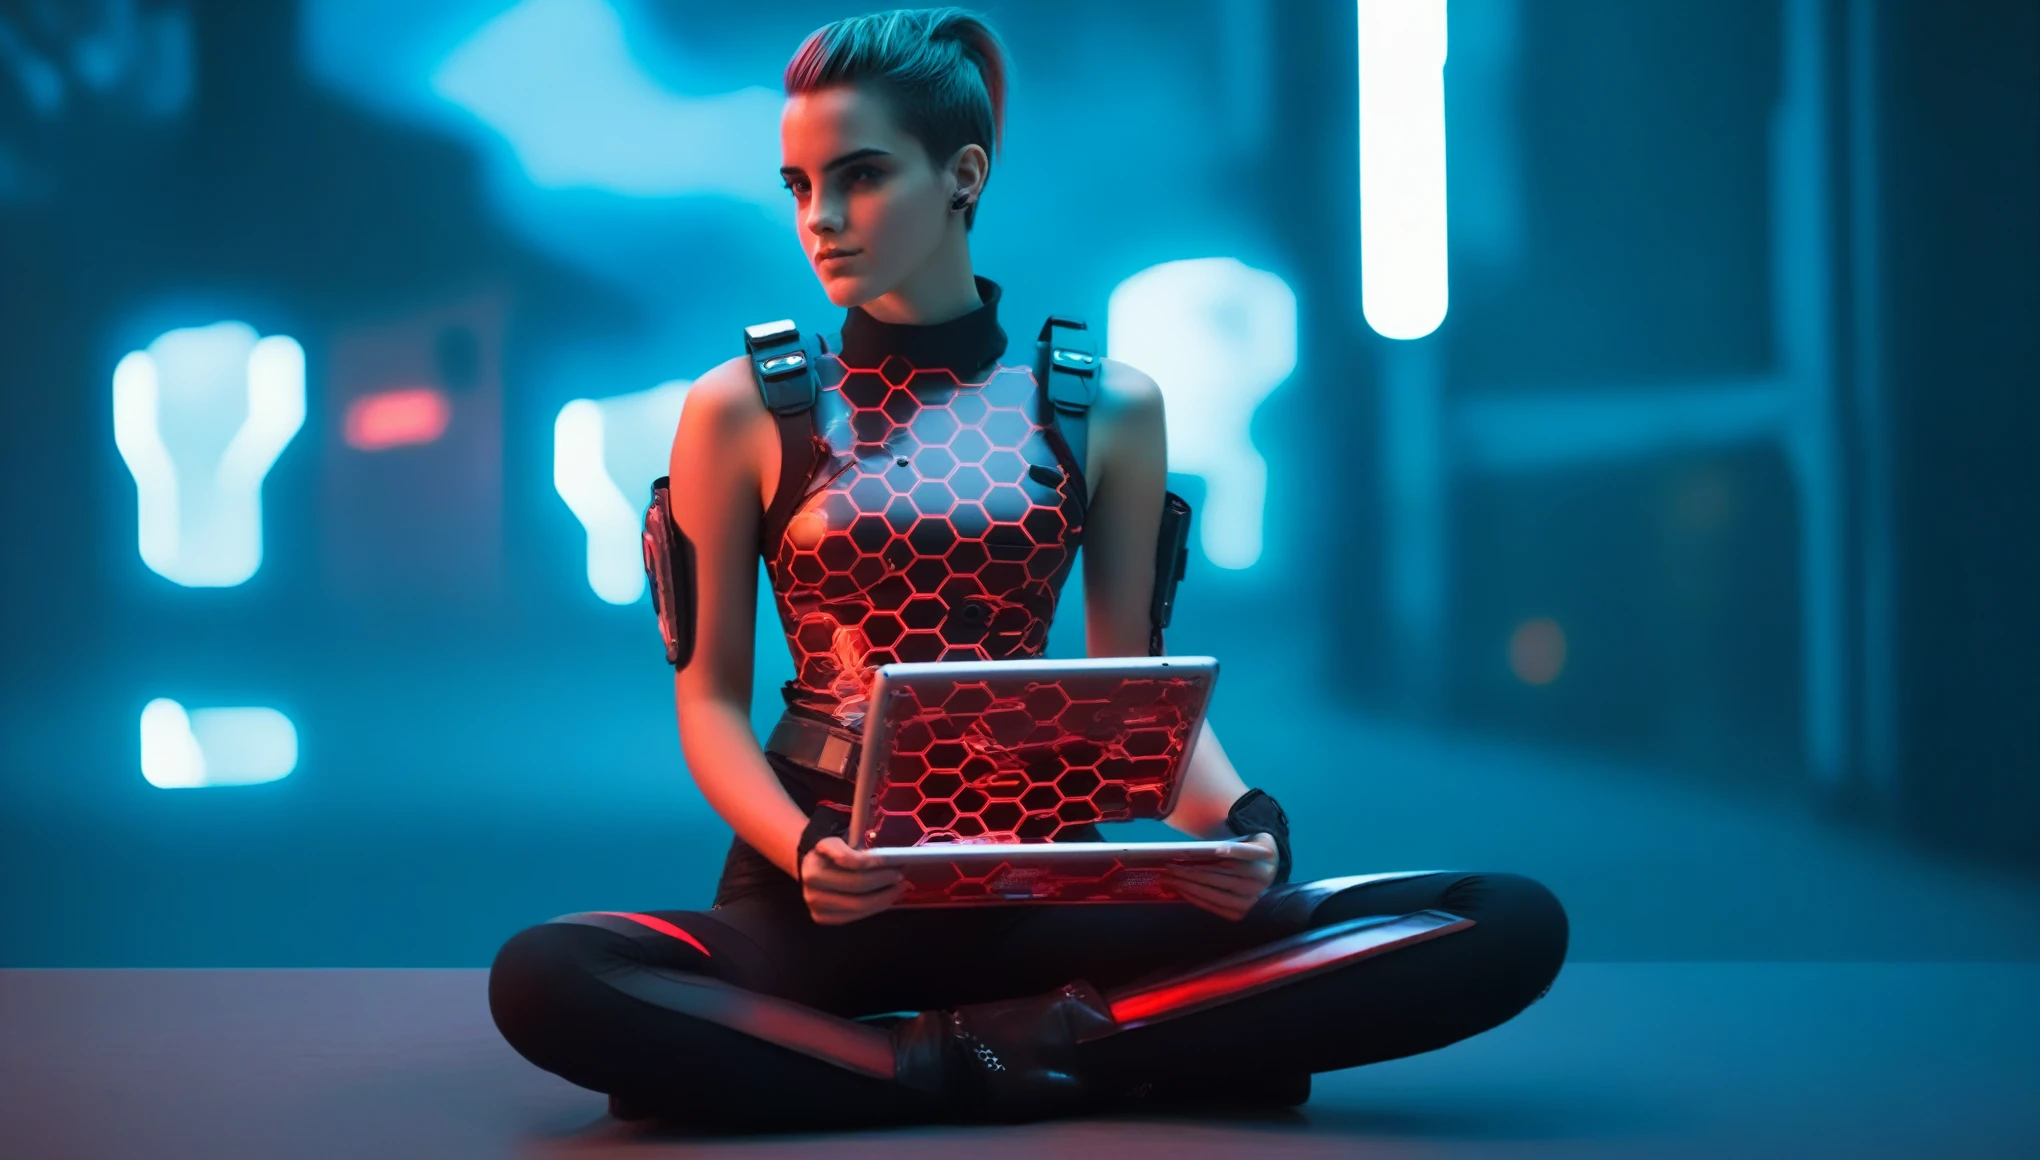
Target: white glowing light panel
[1402, 166]
[199, 417]
[215, 747]
[606, 453]
[1218, 337]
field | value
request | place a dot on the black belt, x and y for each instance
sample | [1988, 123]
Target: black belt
[808, 742]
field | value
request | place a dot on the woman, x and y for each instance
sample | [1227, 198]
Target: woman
[771, 1007]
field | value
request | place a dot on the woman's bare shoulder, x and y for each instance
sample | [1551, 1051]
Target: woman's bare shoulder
[724, 398]
[1124, 387]
[1127, 396]
[1128, 427]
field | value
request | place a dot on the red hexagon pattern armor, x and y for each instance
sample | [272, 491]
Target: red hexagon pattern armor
[940, 527]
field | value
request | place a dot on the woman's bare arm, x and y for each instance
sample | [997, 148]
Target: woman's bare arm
[1129, 474]
[725, 447]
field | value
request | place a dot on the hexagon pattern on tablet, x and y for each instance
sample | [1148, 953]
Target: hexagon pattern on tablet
[1099, 878]
[1022, 760]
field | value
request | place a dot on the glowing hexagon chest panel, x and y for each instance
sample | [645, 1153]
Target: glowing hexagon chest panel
[939, 527]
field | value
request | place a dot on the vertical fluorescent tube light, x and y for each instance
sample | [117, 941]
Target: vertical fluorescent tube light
[1402, 166]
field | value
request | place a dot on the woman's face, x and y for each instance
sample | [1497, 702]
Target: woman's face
[872, 206]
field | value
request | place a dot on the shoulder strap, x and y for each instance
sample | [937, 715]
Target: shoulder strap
[1066, 366]
[783, 365]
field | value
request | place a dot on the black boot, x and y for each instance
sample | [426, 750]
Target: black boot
[1010, 1060]
[627, 1108]
[1265, 1091]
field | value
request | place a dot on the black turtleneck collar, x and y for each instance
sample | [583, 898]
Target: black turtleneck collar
[964, 345]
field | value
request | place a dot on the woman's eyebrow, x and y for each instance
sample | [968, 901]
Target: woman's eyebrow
[845, 159]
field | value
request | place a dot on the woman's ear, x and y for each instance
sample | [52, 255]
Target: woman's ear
[970, 167]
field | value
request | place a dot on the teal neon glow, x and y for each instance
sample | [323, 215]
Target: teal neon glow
[200, 417]
[606, 453]
[1218, 336]
[556, 78]
[215, 747]
[1403, 288]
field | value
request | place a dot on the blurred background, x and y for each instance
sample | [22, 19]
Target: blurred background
[1638, 488]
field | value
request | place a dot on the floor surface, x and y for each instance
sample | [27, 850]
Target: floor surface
[1620, 1059]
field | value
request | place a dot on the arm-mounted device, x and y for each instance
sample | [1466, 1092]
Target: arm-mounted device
[669, 566]
[1172, 558]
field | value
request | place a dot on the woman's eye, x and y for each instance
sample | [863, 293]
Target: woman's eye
[862, 174]
[797, 188]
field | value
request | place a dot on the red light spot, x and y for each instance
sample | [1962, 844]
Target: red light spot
[1537, 651]
[1310, 953]
[660, 925]
[397, 418]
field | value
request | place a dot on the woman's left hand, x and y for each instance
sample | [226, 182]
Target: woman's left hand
[1230, 888]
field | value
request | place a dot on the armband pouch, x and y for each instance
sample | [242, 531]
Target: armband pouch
[1172, 558]
[669, 566]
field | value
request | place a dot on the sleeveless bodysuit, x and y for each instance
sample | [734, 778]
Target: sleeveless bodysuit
[941, 519]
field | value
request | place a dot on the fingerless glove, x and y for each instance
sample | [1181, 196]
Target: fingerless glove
[828, 820]
[1258, 813]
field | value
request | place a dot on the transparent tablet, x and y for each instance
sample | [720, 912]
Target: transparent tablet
[971, 874]
[980, 768]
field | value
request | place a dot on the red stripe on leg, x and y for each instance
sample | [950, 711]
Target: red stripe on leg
[1285, 961]
[660, 925]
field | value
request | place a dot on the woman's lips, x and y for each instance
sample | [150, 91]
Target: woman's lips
[834, 259]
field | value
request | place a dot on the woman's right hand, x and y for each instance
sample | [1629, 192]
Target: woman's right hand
[843, 885]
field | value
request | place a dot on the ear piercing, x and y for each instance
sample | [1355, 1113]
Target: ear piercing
[959, 201]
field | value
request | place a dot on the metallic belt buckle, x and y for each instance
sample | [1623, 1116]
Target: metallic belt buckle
[836, 755]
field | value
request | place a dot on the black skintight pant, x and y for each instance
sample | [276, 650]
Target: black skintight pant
[641, 1005]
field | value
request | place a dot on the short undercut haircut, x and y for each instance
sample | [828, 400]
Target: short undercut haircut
[943, 71]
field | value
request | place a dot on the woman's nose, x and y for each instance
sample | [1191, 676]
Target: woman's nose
[824, 217]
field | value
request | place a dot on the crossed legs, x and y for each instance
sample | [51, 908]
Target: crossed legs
[750, 1013]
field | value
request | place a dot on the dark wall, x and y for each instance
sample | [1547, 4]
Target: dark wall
[1961, 275]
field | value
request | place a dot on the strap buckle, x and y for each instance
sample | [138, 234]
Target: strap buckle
[1071, 365]
[766, 334]
[815, 745]
[1078, 362]
[780, 363]
[782, 366]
